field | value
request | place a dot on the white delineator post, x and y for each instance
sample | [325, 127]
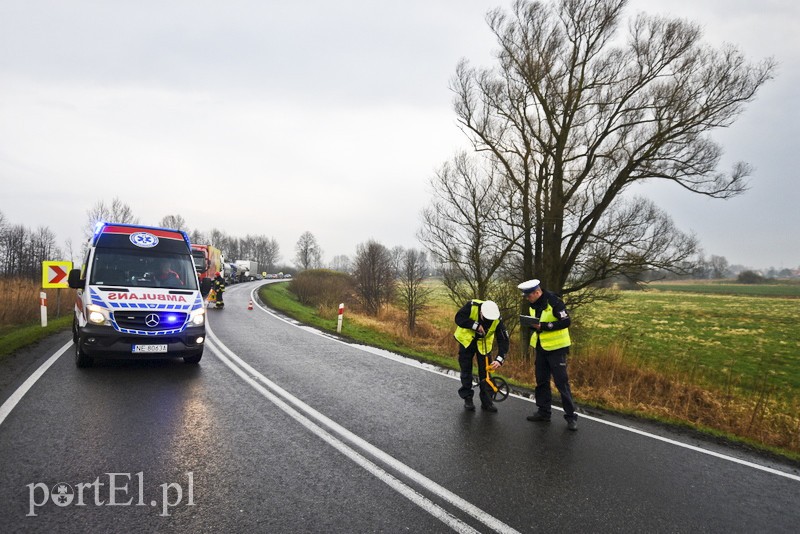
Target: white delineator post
[339, 323]
[43, 307]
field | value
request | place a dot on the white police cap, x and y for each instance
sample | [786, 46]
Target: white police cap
[529, 286]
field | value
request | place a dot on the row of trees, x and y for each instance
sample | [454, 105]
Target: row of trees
[376, 276]
[22, 250]
[573, 113]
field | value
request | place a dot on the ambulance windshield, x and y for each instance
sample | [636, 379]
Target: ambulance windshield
[133, 268]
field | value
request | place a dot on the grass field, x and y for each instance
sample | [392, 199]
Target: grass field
[726, 287]
[722, 340]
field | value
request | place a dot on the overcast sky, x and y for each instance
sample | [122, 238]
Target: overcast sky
[274, 118]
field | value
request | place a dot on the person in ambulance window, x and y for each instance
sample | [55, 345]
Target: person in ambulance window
[166, 277]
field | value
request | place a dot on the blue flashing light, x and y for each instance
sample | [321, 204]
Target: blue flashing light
[186, 238]
[172, 318]
[98, 229]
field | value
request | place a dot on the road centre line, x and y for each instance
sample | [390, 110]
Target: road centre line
[20, 392]
[272, 392]
[431, 368]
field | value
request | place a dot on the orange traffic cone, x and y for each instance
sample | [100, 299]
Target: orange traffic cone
[250, 305]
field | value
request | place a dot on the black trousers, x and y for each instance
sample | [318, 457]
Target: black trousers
[553, 363]
[465, 356]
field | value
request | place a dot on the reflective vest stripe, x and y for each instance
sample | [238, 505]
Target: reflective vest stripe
[465, 336]
[550, 339]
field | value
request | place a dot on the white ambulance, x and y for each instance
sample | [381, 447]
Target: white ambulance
[138, 296]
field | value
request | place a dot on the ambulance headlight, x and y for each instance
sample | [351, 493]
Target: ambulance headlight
[198, 317]
[97, 315]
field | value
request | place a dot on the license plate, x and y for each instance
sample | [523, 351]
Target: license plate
[149, 348]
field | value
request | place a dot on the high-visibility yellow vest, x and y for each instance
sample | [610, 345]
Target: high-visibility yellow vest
[550, 339]
[466, 335]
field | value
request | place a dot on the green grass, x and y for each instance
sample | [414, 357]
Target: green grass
[279, 297]
[721, 340]
[786, 290]
[17, 337]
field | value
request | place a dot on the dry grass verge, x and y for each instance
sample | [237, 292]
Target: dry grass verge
[603, 376]
[19, 303]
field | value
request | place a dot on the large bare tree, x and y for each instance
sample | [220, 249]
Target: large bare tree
[581, 106]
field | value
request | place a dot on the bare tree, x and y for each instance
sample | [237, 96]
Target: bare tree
[574, 113]
[265, 251]
[117, 212]
[198, 237]
[719, 266]
[68, 250]
[374, 276]
[341, 263]
[411, 291]
[228, 245]
[308, 254]
[271, 253]
[398, 255]
[42, 248]
[174, 221]
[14, 246]
[3, 243]
[464, 228]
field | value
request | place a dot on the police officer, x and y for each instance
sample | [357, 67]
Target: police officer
[478, 324]
[219, 289]
[551, 342]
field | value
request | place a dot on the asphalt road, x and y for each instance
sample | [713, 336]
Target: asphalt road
[280, 429]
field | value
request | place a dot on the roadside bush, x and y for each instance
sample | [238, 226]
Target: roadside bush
[750, 277]
[322, 287]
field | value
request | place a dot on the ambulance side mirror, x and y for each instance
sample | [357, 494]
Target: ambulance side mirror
[74, 279]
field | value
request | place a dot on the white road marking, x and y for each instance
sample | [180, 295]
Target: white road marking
[15, 397]
[433, 369]
[253, 377]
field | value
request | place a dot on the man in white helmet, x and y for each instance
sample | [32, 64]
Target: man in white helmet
[479, 324]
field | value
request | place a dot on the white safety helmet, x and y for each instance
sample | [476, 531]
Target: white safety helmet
[490, 311]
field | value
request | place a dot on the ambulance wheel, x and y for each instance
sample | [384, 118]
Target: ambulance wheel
[82, 360]
[193, 359]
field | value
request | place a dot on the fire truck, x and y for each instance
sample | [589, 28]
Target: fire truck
[207, 262]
